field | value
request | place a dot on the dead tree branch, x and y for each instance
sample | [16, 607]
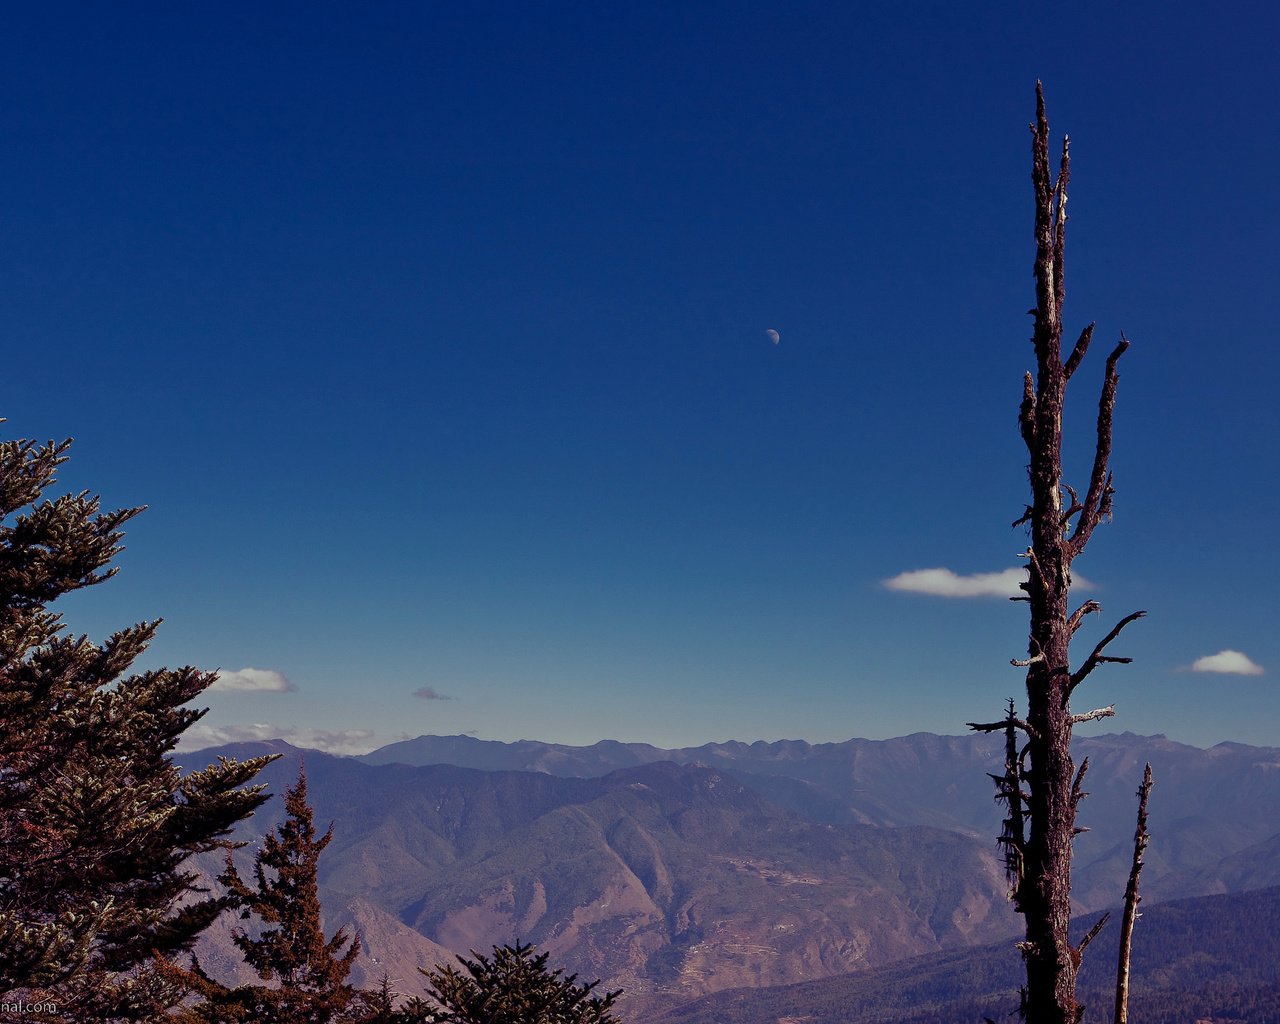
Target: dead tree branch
[1097, 658]
[1097, 713]
[1077, 353]
[1013, 833]
[1090, 935]
[1027, 421]
[1097, 502]
[1000, 726]
[1074, 508]
[1077, 617]
[1077, 793]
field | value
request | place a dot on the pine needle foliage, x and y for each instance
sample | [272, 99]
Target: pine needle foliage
[96, 821]
[378, 1006]
[305, 974]
[514, 986]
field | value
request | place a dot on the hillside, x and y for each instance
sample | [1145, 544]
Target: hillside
[1211, 958]
[1207, 804]
[735, 864]
[669, 881]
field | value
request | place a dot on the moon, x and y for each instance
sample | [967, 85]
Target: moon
[773, 335]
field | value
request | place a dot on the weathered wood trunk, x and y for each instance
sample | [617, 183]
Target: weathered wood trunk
[1131, 901]
[1041, 785]
[1046, 897]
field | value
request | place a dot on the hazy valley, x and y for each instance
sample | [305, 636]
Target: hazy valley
[678, 874]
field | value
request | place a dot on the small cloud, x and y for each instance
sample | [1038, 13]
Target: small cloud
[430, 693]
[1234, 663]
[945, 583]
[253, 680]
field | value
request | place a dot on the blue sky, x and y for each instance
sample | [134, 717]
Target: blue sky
[434, 336]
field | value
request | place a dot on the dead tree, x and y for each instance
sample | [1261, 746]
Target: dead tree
[1041, 787]
[1131, 901]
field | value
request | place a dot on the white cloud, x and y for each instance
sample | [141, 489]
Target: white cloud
[1235, 663]
[341, 741]
[945, 583]
[430, 693]
[247, 680]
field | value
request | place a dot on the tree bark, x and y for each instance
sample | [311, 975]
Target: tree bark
[1049, 786]
[1131, 901]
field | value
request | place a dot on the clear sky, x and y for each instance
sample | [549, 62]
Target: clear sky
[435, 338]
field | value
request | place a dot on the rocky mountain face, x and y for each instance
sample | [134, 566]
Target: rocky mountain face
[1207, 804]
[679, 873]
[670, 881]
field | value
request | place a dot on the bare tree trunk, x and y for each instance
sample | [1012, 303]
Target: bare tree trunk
[1045, 777]
[1131, 901]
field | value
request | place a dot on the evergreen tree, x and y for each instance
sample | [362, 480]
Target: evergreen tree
[306, 973]
[96, 822]
[514, 987]
[378, 1006]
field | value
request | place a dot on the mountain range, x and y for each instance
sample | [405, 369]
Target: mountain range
[1208, 804]
[676, 874]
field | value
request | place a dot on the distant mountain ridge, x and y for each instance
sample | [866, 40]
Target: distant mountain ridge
[683, 873]
[1208, 804]
[667, 880]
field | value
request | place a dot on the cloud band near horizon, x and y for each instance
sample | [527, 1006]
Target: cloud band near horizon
[345, 742]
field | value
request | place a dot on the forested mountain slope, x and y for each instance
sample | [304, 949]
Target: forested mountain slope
[1211, 958]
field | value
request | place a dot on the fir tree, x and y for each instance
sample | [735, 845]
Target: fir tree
[378, 1006]
[514, 987]
[96, 822]
[306, 974]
